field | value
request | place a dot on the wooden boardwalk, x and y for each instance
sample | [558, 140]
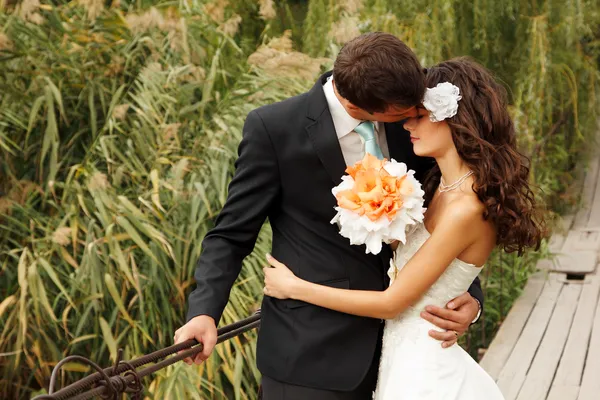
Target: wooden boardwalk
[548, 347]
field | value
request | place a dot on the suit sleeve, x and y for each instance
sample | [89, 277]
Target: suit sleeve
[252, 192]
[476, 291]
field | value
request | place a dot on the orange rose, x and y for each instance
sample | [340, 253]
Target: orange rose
[368, 162]
[375, 192]
[348, 200]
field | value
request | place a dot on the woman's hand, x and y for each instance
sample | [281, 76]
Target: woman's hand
[279, 280]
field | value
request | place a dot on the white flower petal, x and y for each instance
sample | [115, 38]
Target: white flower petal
[391, 272]
[442, 101]
[374, 244]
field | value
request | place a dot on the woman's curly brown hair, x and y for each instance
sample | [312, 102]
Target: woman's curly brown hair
[484, 135]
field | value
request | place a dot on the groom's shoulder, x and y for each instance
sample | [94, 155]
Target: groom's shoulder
[285, 110]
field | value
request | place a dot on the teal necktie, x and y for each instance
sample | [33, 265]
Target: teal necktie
[366, 130]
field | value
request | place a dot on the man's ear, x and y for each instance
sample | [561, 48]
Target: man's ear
[355, 109]
[356, 112]
[352, 106]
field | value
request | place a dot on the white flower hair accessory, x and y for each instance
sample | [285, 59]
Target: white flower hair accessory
[442, 101]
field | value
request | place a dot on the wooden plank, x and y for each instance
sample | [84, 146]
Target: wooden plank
[570, 370]
[566, 222]
[582, 239]
[539, 377]
[513, 373]
[590, 384]
[496, 355]
[589, 187]
[559, 234]
[545, 264]
[563, 393]
[594, 218]
[572, 262]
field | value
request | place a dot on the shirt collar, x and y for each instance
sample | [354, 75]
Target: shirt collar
[343, 122]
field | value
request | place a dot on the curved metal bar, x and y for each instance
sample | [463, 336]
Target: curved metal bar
[136, 387]
[106, 379]
[113, 383]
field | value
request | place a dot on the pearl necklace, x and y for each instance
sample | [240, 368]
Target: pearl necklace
[446, 188]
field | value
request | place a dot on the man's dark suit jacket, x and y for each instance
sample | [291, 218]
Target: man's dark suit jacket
[289, 160]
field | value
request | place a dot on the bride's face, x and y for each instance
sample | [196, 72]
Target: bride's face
[430, 139]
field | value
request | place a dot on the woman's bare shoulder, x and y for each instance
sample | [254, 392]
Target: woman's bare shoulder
[463, 208]
[467, 209]
[465, 214]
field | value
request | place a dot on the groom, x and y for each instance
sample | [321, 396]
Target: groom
[291, 155]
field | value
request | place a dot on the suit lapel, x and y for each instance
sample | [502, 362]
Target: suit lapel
[321, 132]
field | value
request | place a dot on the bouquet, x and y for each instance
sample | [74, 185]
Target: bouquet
[376, 201]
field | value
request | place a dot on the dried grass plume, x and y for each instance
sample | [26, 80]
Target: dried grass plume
[279, 59]
[5, 42]
[267, 9]
[351, 6]
[98, 181]
[93, 7]
[216, 10]
[345, 30]
[61, 236]
[169, 23]
[120, 111]
[140, 23]
[28, 10]
[231, 26]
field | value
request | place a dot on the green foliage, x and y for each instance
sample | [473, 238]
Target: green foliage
[118, 142]
[118, 131]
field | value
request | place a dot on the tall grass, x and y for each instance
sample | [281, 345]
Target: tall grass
[119, 124]
[121, 136]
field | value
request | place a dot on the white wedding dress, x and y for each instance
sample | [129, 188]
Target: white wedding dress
[413, 365]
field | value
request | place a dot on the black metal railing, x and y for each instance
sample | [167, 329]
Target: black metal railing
[123, 376]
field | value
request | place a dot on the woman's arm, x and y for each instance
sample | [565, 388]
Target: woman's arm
[453, 234]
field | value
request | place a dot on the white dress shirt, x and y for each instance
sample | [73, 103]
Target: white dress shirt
[352, 144]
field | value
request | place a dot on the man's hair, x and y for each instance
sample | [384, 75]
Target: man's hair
[377, 70]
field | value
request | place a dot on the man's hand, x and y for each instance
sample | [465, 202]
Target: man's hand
[204, 330]
[455, 318]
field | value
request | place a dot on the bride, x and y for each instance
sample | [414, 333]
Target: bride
[478, 197]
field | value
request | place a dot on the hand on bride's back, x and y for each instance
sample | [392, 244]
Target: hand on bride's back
[278, 279]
